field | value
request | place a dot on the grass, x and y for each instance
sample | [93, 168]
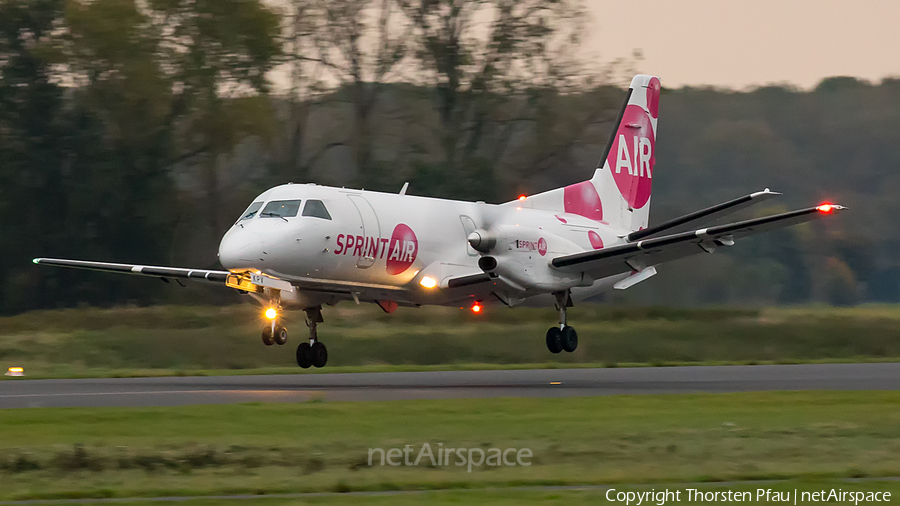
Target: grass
[557, 497]
[167, 340]
[308, 447]
[515, 497]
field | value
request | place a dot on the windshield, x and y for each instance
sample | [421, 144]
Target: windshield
[251, 211]
[281, 209]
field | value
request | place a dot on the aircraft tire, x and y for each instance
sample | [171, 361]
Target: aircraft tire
[554, 340]
[319, 354]
[267, 337]
[569, 339]
[304, 355]
[280, 336]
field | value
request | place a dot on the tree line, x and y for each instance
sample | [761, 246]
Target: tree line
[137, 130]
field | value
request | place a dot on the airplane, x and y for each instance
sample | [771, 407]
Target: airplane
[305, 246]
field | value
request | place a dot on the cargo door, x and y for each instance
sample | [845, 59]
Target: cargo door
[371, 231]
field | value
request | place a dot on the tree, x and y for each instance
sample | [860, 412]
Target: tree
[490, 62]
[359, 43]
[217, 54]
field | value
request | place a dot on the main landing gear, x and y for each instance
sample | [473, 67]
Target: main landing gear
[312, 353]
[562, 337]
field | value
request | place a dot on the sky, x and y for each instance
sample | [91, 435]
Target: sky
[745, 43]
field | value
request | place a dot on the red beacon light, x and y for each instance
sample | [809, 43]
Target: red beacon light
[826, 208]
[477, 307]
[522, 197]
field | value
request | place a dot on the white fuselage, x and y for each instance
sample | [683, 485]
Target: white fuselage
[380, 245]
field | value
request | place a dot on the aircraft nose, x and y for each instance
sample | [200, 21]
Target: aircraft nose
[239, 248]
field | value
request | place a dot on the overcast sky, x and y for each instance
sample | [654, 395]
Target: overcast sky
[741, 43]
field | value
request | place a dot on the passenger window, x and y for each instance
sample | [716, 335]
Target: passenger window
[251, 211]
[281, 209]
[316, 209]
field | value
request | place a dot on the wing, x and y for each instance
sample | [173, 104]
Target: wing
[708, 215]
[641, 254]
[244, 281]
[140, 270]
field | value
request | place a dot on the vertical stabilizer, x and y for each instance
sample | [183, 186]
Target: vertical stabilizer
[619, 192]
[624, 176]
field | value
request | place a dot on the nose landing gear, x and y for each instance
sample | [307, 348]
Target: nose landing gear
[562, 337]
[274, 334]
[312, 353]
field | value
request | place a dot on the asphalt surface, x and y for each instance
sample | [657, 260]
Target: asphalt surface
[176, 391]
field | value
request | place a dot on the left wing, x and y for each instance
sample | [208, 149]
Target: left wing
[649, 252]
[140, 270]
[244, 281]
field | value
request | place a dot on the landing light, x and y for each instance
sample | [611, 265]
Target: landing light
[476, 307]
[428, 282]
[271, 313]
[826, 208]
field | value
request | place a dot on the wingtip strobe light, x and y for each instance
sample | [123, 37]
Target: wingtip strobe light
[826, 208]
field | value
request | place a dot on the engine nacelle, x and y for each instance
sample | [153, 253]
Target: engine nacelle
[520, 257]
[482, 240]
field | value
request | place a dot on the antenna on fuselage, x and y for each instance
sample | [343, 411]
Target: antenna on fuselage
[405, 186]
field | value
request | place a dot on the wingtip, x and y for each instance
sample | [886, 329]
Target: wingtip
[767, 192]
[36, 260]
[830, 208]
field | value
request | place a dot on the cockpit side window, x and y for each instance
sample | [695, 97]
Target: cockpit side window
[251, 211]
[281, 209]
[316, 209]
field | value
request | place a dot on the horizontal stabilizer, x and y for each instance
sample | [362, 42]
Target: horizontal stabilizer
[707, 215]
[648, 252]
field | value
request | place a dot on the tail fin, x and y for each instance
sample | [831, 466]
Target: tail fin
[624, 176]
[619, 192]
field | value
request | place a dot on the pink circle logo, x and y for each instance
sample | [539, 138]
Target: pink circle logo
[582, 199]
[402, 249]
[632, 156]
[542, 246]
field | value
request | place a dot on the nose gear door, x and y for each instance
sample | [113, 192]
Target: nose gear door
[371, 231]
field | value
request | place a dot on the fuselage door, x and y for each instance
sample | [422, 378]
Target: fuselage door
[469, 227]
[371, 231]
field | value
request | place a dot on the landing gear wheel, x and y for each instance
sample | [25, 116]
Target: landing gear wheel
[267, 337]
[304, 356]
[280, 336]
[569, 339]
[319, 354]
[554, 340]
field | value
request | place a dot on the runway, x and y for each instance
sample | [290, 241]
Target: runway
[177, 391]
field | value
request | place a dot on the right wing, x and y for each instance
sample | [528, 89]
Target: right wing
[709, 214]
[649, 252]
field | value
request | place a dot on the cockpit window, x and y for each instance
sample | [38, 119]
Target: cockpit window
[281, 209]
[251, 211]
[316, 209]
